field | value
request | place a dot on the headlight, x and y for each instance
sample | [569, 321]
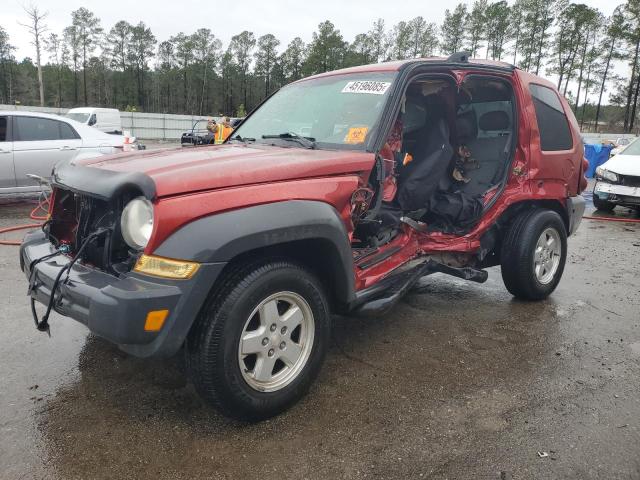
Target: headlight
[606, 174]
[136, 222]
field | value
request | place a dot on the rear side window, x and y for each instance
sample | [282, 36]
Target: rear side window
[31, 129]
[67, 132]
[555, 133]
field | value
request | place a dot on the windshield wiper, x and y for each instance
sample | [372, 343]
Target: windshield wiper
[243, 140]
[307, 142]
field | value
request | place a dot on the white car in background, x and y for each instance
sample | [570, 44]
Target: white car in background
[621, 144]
[618, 180]
[32, 143]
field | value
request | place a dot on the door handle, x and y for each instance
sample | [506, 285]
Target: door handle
[66, 147]
[5, 151]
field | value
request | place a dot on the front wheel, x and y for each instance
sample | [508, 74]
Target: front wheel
[260, 342]
[534, 252]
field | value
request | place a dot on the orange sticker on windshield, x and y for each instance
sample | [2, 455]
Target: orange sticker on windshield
[356, 135]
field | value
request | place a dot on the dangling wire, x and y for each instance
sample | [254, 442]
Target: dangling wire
[43, 323]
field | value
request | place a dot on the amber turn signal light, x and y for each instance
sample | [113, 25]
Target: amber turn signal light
[155, 320]
[166, 267]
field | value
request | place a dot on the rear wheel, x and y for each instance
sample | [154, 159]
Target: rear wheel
[603, 205]
[260, 342]
[534, 253]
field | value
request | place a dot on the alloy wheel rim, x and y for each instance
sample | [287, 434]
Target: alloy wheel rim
[546, 257]
[276, 341]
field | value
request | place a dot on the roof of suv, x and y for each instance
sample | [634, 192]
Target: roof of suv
[400, 64]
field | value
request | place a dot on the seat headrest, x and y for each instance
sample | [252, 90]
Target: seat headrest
[492, 121]
[466, 127]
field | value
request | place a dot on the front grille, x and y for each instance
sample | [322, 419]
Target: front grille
[625, 199]
[630, 181]
[76, 216]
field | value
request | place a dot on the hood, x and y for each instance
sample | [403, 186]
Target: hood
[191, 169]
[624, 165]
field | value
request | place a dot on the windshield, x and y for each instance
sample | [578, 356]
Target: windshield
[78, 117]
[632, 149]
[338, 111]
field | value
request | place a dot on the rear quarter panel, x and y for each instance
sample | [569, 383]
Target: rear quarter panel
[552, 174]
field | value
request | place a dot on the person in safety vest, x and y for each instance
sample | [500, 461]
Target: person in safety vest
[224, 130]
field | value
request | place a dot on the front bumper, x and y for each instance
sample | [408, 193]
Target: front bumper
[115, 308]
[618, 194]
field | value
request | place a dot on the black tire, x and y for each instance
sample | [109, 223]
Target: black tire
[603, 205]
[518, 250]
[214, 341]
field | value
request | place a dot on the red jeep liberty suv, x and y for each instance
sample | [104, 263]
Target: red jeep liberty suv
[336, 194]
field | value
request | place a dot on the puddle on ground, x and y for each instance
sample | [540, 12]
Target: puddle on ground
[635, 348]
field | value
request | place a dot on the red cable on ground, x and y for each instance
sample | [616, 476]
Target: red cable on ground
[43, 205]
[13, 229]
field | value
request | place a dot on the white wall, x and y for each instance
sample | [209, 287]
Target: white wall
[608, 136]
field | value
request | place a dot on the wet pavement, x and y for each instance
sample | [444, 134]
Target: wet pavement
[458, 381]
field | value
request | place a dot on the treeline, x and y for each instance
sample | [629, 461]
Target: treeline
[127, 67]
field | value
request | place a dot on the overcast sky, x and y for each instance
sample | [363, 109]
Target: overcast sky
[283, 18]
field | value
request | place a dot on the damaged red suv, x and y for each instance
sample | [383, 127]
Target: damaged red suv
[336, 195]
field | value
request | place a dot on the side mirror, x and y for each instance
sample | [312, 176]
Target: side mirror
[92, 120]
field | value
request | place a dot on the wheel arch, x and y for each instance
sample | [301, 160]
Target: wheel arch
[335, 282]
[491, 240]
[308, 232]
[519, 207]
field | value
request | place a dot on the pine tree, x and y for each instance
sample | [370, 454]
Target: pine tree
[452, 30]
[326, 51]
[475, 25]
[266, 58]
[498, 28]
[611, 47]
[292, 59]
[88, 31]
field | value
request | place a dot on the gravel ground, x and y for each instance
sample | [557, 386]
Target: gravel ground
[458, 381]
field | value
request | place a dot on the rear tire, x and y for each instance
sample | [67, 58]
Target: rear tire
[260, 342]
[534, 252]
[603, 205]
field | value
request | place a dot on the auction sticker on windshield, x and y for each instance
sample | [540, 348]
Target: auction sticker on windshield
[363, 86]
[356, 135]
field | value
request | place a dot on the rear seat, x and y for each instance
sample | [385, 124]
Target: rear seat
[489, 151]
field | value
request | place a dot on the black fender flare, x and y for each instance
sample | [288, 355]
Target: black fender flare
[221, 237]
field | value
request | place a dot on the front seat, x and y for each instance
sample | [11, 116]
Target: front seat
[429, 170]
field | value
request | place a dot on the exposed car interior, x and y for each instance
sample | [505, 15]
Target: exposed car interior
[449, 146]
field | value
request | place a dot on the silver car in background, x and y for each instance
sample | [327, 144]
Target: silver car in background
[32, 143]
